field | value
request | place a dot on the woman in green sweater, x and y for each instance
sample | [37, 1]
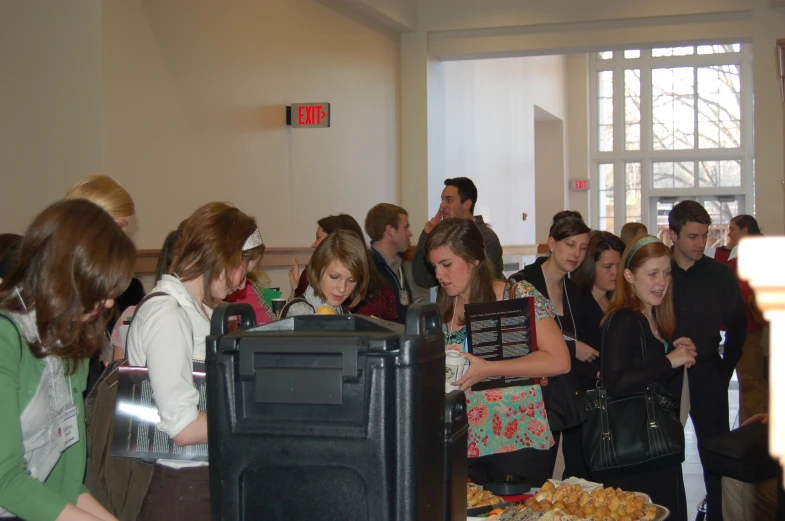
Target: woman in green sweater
[74, 260]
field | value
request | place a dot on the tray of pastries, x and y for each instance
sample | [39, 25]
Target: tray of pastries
[479, 501]
[573, 502]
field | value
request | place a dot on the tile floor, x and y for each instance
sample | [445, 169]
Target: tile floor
[693, 472]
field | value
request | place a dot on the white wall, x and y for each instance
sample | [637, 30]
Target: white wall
[50, 103]
[194, 100]
[489, 136]
[463, 29]
[578, 131]
[549, 183]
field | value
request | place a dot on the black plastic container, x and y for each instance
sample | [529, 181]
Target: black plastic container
[329, 418]
[456, 439]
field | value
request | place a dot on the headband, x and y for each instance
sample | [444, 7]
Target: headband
[640, 243]
[253, 240]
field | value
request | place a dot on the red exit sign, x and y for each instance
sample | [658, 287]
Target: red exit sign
[578, 185]
[308, 115]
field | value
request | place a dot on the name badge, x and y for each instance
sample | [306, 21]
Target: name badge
[68, 428]
[404, 296]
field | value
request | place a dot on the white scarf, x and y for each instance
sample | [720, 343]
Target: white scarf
[316, 302]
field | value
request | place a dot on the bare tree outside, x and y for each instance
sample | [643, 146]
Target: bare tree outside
[692, 108]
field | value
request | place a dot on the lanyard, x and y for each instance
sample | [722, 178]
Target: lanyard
[398, 278]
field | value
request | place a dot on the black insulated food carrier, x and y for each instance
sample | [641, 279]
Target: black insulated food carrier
[334, 418]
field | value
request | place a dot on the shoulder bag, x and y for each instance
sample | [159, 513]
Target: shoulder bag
[631, 433]
[119, 484]
[562, 395]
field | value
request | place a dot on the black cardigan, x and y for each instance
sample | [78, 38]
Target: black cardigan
[623, 369]
[585, 372]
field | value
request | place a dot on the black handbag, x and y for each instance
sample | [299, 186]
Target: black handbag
[564, 402]
[631, 433]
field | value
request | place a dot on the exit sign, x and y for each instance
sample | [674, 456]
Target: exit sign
[579, 185]
[308, 115]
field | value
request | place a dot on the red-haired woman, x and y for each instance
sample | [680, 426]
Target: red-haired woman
[641, 316]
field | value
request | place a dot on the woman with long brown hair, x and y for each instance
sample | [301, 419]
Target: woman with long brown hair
[641, 317]
[218, 247]
[597, 277]
[73, 262]
[508, 427]
[568, 238]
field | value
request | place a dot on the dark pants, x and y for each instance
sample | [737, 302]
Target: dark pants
[709, 413]
[177, 495]
[532, 464]
[572, 450]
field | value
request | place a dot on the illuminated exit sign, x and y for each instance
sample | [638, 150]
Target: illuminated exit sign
[579, 185]
[308, 115]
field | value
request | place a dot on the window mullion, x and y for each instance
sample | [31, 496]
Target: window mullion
[695, 130]
[747, 142]
[619, 196]
[619, 138]
[646, 139]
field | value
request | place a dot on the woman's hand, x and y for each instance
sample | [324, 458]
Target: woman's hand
[439, 217]
[294, 274]
[687, 344]
[681, 357]
[585, 353]
[479, 370]
[762, 417]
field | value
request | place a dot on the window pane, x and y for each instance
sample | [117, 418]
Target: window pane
[718, 174]
[719, 106]
[632, 174]
[719, 49]
[676, 174]
[605, 110]
[721, 214]
[673, 108]
[672, 51]
[606, 213]
[663, 209]
[632, 54]
[607, 55]
[632, 109]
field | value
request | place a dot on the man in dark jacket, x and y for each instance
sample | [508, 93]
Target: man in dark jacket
[706, 298]
[458, 199]
[388, 227]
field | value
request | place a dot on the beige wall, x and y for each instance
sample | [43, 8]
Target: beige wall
[490, 107]
[50, 103]
[183, 102]
[462, 29]
[194, 100]
[399, 15]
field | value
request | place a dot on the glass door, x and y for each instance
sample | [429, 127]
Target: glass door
[721, 210]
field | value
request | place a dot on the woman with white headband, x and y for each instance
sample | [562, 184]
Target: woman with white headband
[219, 246]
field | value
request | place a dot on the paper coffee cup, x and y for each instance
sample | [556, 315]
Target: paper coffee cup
[278, 305]
[454, 365]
